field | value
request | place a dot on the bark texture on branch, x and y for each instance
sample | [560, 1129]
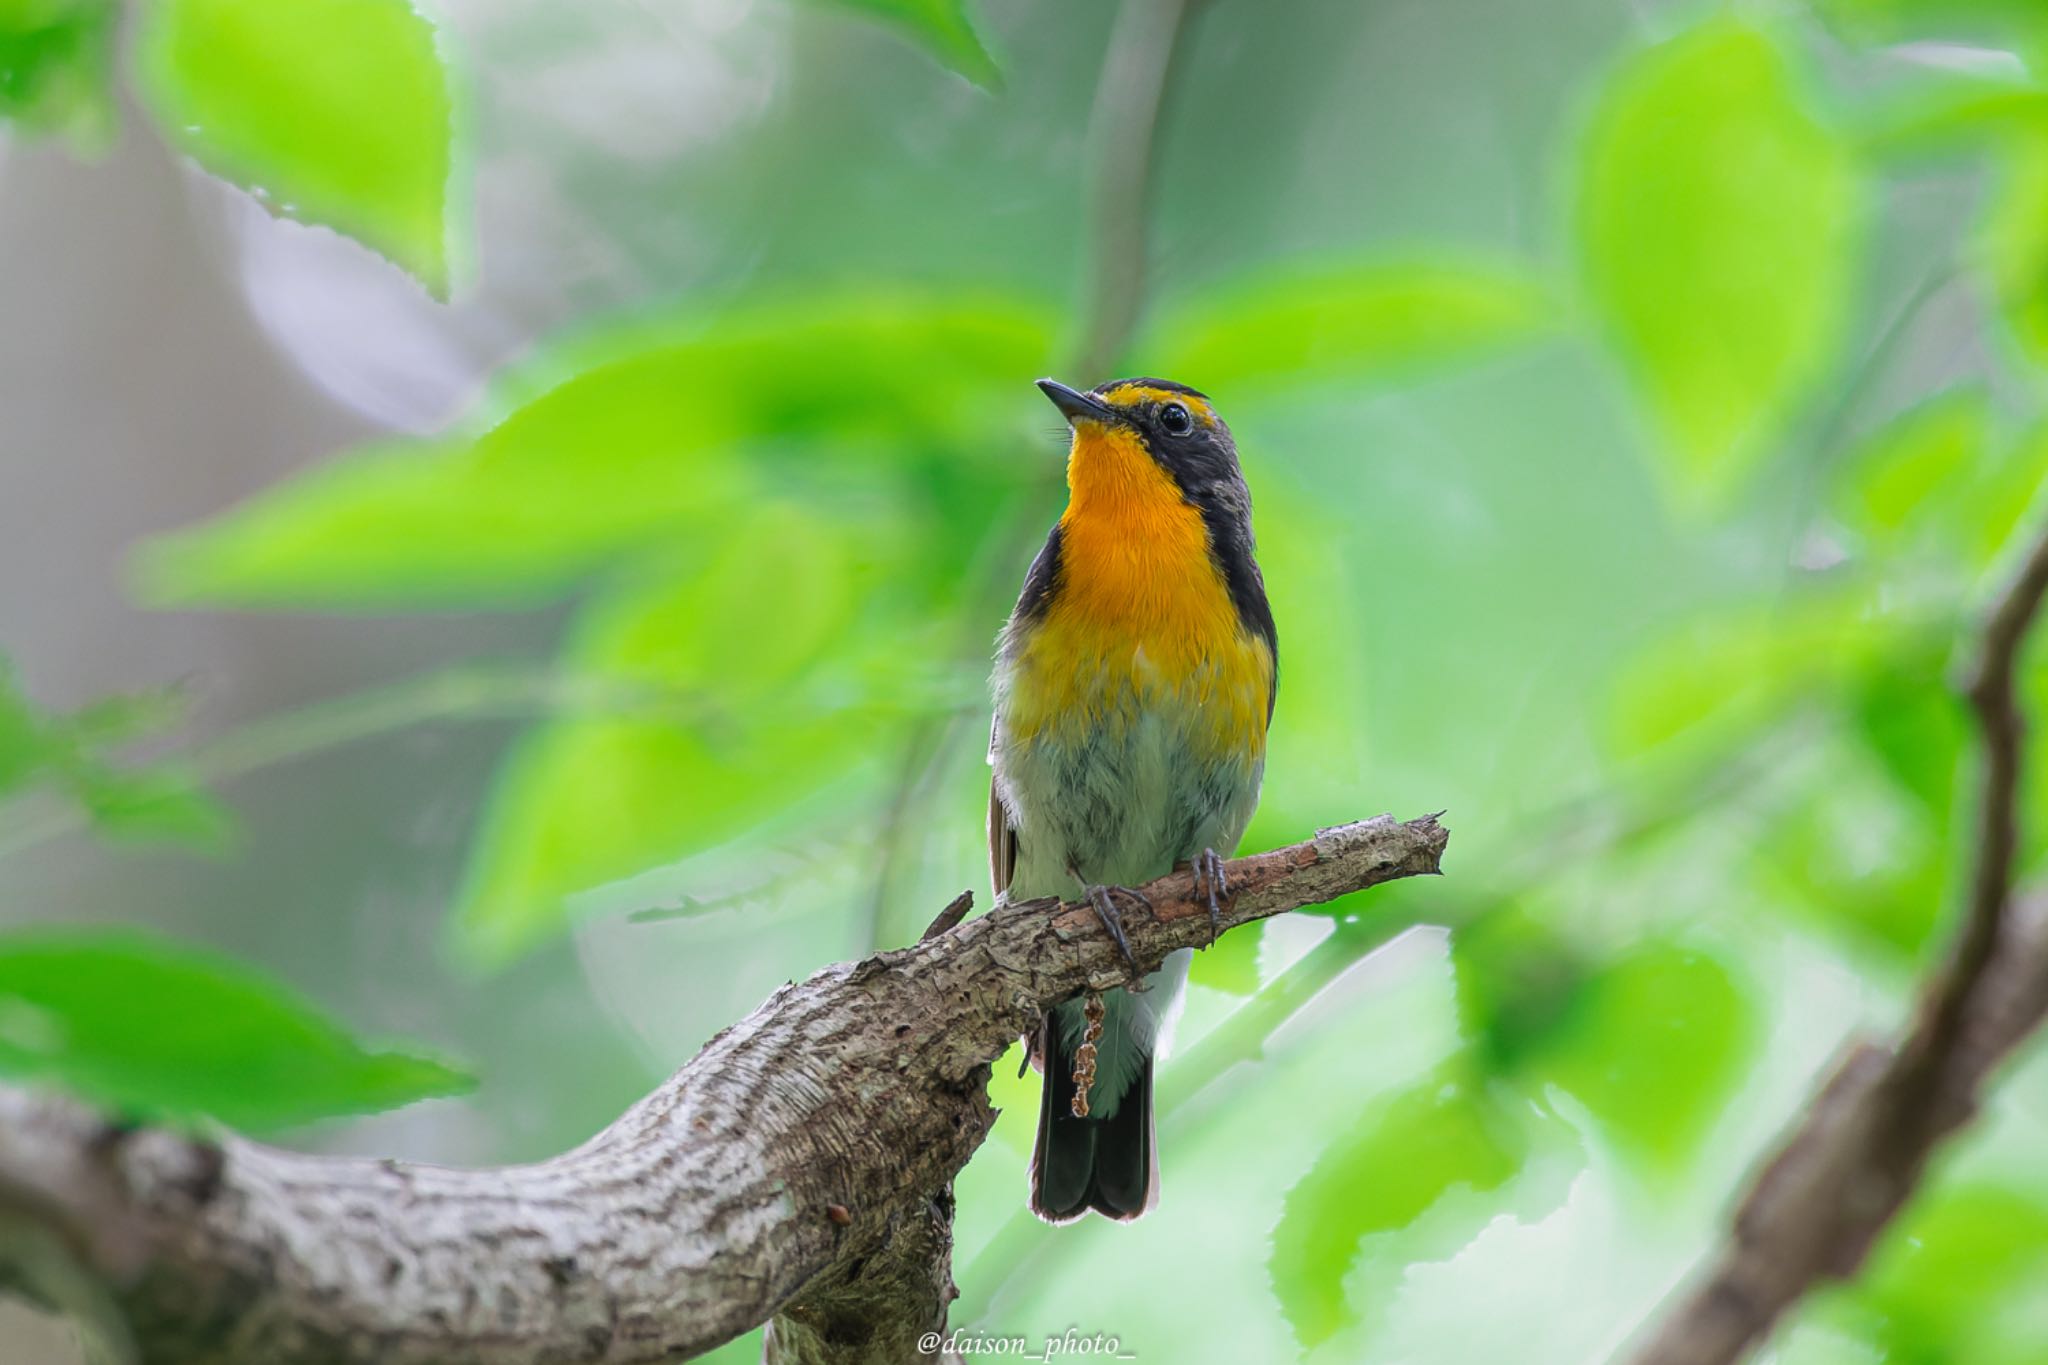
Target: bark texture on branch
[798, 1169]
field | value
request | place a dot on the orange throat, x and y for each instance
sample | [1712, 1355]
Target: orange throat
[1142, 610]
[1134, 552]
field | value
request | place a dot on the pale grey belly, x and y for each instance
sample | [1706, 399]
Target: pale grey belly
[1119, 806]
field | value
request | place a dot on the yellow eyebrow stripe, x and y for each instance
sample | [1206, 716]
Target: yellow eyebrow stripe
[1130, 395]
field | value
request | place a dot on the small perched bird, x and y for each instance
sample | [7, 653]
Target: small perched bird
[1133, 687]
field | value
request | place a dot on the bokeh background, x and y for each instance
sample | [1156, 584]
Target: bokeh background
[504, 509]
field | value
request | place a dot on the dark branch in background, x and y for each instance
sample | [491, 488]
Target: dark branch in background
[799, 1169]
[1859, 1151]
[2004, 739]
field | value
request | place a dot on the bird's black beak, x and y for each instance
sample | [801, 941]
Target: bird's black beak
[1075, 405]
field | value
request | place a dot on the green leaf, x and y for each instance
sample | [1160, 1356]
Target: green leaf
[1939, 489]
[1913, 722]
[152, 1029]
[940, 26]
[22, 744]
[1719, 227]
[2007, 495]
[2014, 239]
[71, 754]
[1855, 854]
[1649, 1041]
[758, 645]
[1914, 463]
[127, 716]
[416, 525]
[1403, 1157]
[1517, 979]
[1940, 1278]
[156, 805]
[658, 434]
[1349, 322]
[330, 111]
[1652, 1045]
[57, 69]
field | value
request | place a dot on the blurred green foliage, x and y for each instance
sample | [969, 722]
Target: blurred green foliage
[334, 111]
[1650, 1041]
[1720, 223]
[56, 68]
[77, 755]
[759, 734]
[1942, 1286]
[653, 438]
[1621, 536]
[2014, 23]
[149, 1030]
[1440, 1136]
[1370, 321]
[941, 25]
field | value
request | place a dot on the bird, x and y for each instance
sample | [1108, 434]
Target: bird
[1133, 689]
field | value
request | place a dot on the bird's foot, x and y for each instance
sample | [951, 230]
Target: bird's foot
[1104, 899]
[1213, 885]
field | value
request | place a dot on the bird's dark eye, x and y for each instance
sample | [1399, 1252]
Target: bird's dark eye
[1174, 420]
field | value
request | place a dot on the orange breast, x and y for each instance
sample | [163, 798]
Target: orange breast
[1141, 617]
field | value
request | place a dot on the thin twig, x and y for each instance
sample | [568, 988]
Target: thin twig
[473, 692]
[955, 911]
[1832, 431]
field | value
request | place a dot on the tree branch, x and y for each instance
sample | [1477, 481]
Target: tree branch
[798, 1169]
[1858, 1152]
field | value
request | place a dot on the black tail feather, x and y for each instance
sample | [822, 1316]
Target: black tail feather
[1123, 1153]
[1092, 1163]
